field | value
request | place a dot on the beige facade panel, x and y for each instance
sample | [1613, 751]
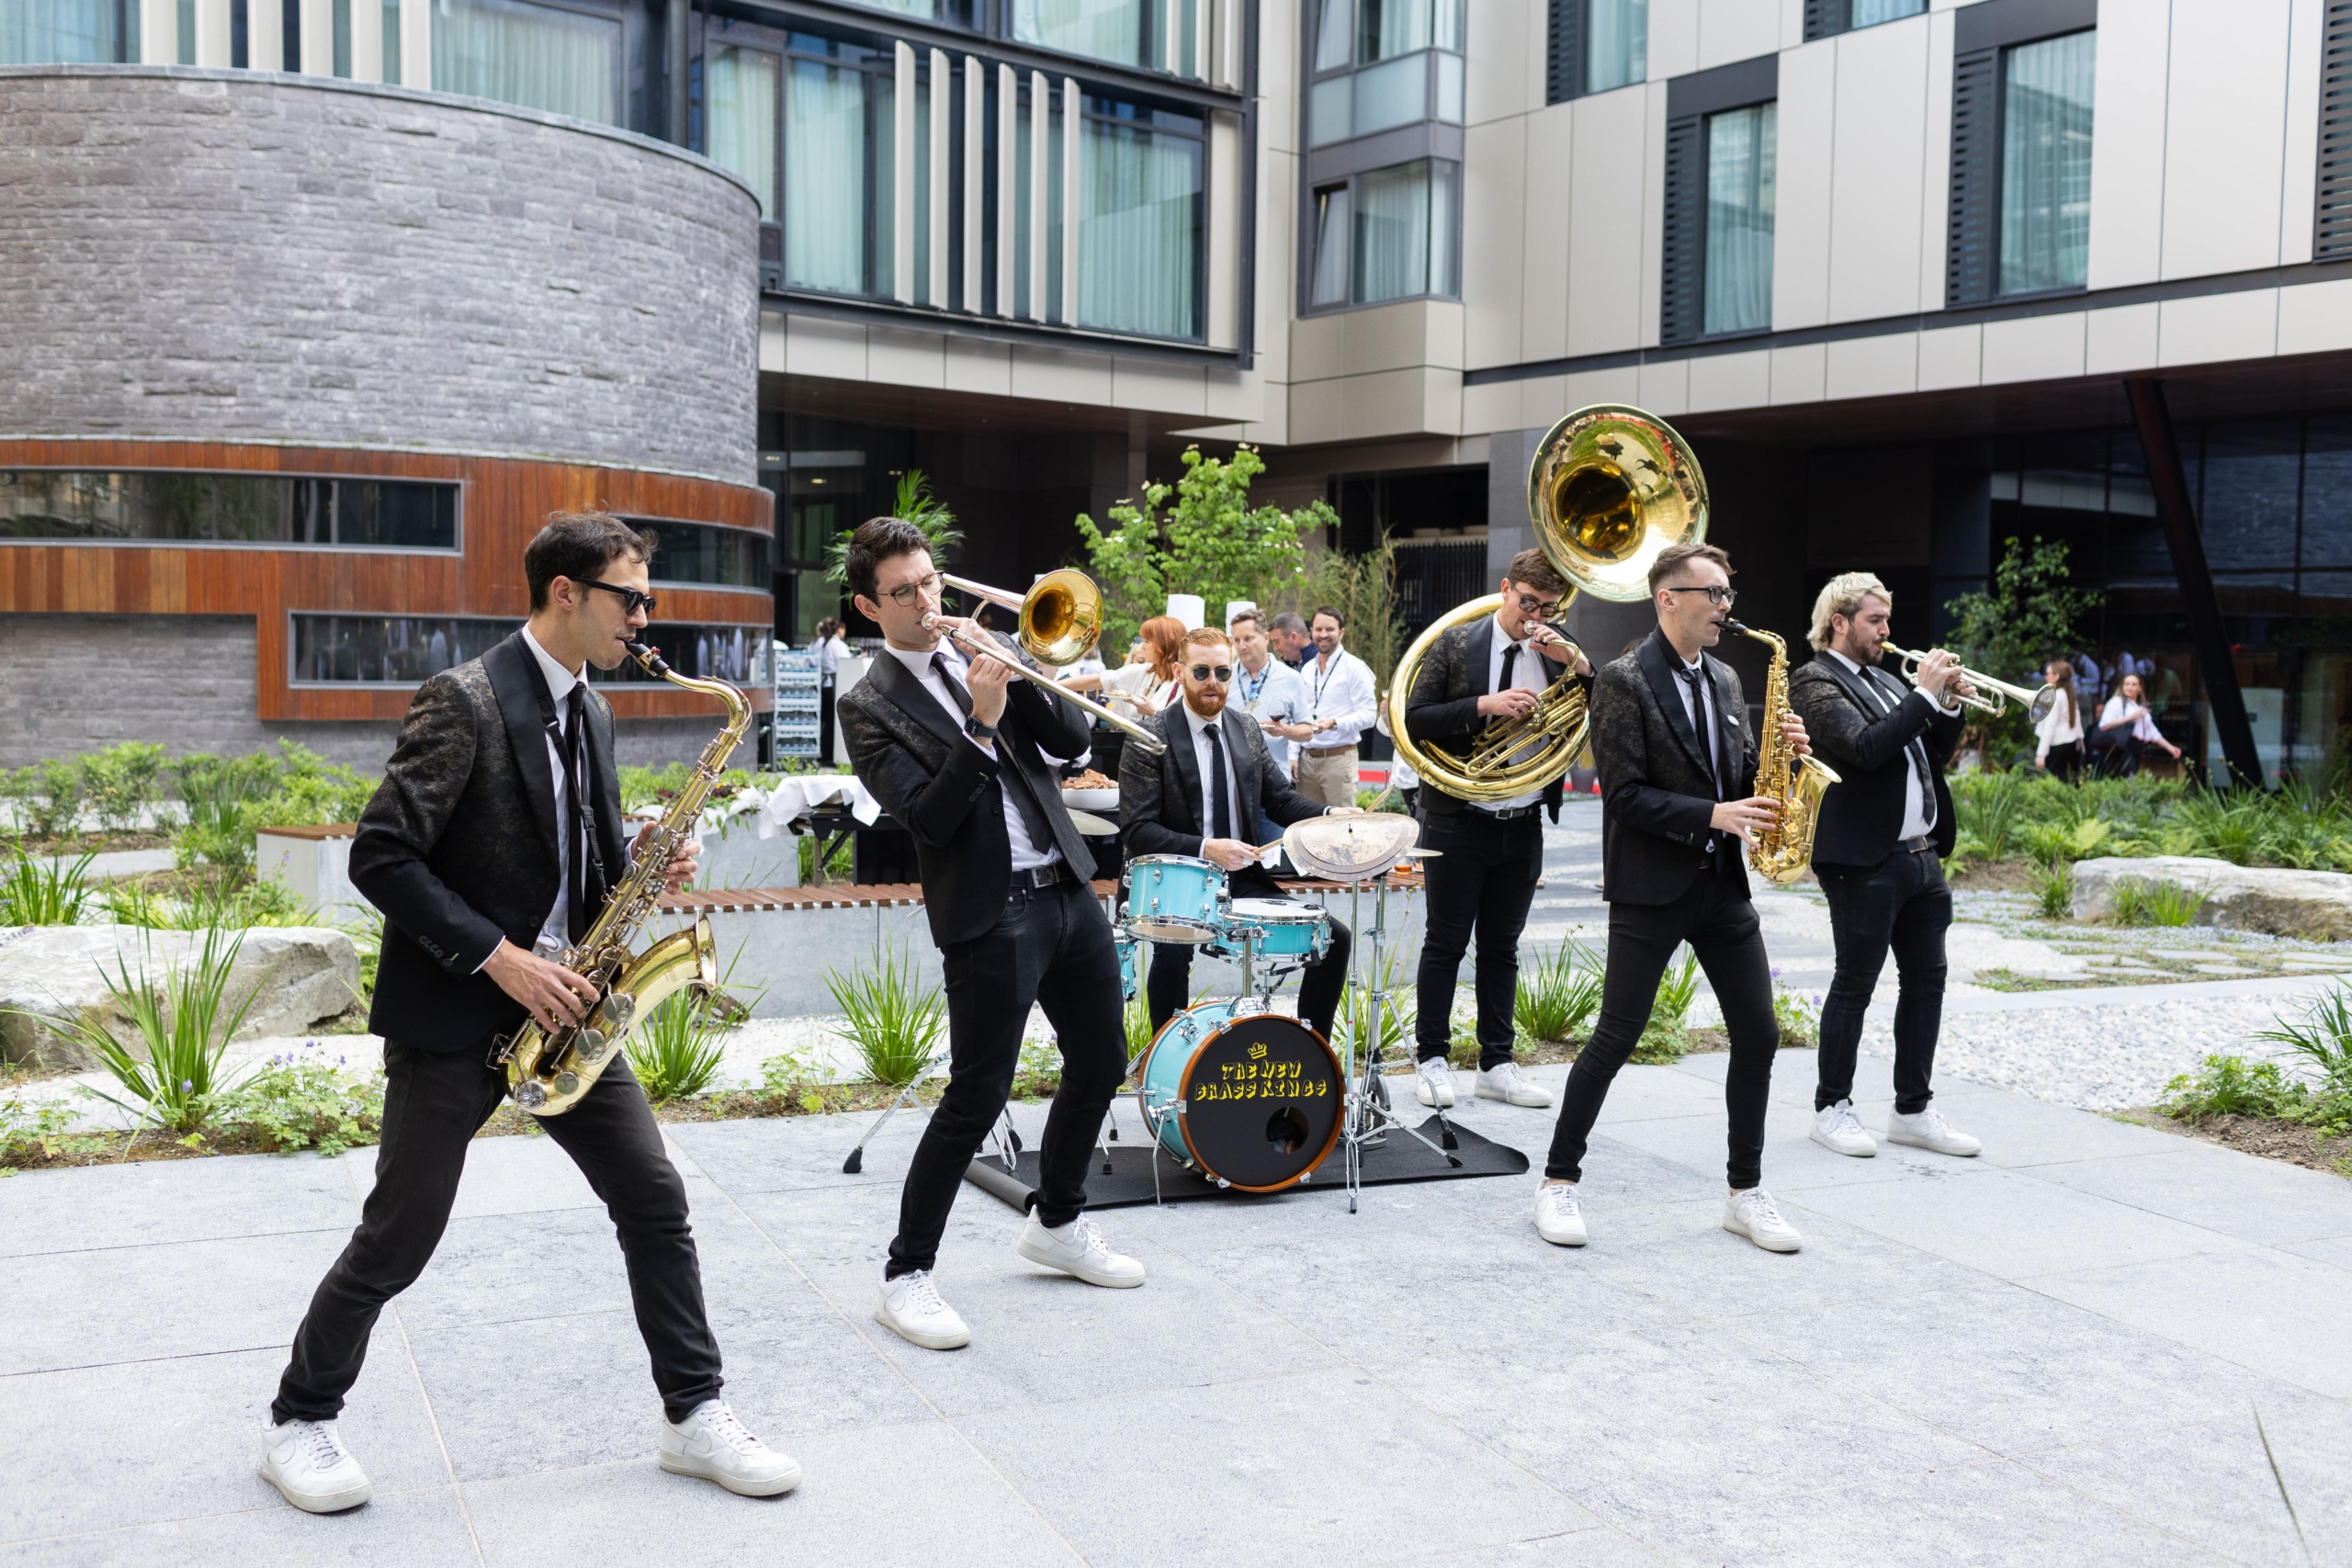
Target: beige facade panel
[1674, 38]
[1622, 385]
[1497, 82]
[1604, 243]
[1645, 324]
[1491, 406]
[902, 184]
[1883, 366]
[2224, 137]
[1731, 30]
[1061, 375]
[1666, 388]
[1224, 244]
[1157, 385]
[1318, 347]
[367, 36]
[1935, 162]
[1318, 412]
[2040, 348]
[213, 24]
[1495, 194]
[1800, 375]
[2120, 338]
[973, 365]
[1951, 356]
[817, 346]
[1730, 381]
[2128, 143]
[1549, 187]
[1803, 204]
[1880, 132]
[1410, 334]
[901, 356]
[2218, 326]
[2315, 317]
[2306, 35]
[1238, 395]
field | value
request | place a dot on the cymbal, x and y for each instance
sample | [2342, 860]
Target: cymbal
[1356, 847]
[1418, 853]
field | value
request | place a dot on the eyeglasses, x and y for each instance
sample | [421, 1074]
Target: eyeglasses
[1217, 673]
[1540, 608]
[630, 597]
[1722, 596]
[904, 595]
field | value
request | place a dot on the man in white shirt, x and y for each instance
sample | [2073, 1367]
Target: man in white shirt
[1340, 699]
[1272, 693]
[1876, 850]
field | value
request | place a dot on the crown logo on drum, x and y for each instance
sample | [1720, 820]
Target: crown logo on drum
[1257, 1052]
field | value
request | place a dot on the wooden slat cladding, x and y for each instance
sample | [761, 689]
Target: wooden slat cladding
[505, 502]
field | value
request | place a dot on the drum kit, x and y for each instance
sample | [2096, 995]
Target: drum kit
[1245, 1097]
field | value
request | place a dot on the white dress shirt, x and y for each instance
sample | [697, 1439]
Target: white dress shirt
[557, 928]
[1237, 829]
[1919, 807]
[1276, 694]
[1528, 670]
[1341, 688]
[1027, 854]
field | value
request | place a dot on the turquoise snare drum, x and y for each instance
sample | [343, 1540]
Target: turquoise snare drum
[1278, 929]
[1174, 899]
[1260, 1095]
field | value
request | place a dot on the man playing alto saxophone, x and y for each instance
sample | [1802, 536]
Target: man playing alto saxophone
[1671, 743]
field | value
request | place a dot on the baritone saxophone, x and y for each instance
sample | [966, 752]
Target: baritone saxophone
[1783, 853]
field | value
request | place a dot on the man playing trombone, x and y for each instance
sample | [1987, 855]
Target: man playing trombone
[1877, 851]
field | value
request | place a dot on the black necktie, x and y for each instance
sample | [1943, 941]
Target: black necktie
[1702, 730]
[1033, 816]
[1510, 656]
[1220, 801]
[575, 794]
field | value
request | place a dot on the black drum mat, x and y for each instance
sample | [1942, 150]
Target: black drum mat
[1400, 1158]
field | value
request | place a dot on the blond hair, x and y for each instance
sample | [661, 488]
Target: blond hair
[1843, 595]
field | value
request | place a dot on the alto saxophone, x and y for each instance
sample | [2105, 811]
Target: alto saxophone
[547, 1074]
[1785, 852]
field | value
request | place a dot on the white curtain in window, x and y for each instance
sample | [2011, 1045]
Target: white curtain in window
[1739, 219]
[1116, 30]
[826, 191]
[1335, 35]
[2046, 165]
[1404, 233]
[541, 57]
[741, 117]
[929, 9]
[59, 32]
[1616, 43]
[1390, 28]
[1329, 285]
[1138, 230]
[1869, 13]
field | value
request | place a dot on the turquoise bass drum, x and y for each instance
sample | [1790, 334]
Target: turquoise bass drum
[1251, 1100]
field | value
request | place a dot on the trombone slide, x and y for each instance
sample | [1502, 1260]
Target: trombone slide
[979, 647]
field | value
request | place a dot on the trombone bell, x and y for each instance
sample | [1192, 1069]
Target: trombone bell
[1059, 617]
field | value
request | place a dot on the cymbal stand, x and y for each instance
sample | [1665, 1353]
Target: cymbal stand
[1369, 1113]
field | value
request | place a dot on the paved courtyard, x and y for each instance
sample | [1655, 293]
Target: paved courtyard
[2053, 1354]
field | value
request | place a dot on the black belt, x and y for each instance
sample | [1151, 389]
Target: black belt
[1043, 875]
[1509, 813]
[1916, 845]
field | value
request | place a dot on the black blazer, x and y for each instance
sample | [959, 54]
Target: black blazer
[458, 847]
[1656, 801]
[1860, 817]
[936, 782]
[1442, 708]
[1159, 796]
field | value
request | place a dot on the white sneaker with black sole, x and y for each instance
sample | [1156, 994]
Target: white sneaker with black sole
[911, 1308]
[1928, 1130]
[712, 1444]
[1511, 1086]
[1433, 1083]
[1839, 1130]
[1558, 1220]
[1077, 1249]
[307, 1462]
[1751, 1215]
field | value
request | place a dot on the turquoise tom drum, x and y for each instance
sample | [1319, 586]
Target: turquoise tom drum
[1175, 899]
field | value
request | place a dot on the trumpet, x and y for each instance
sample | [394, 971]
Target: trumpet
[1991, 698]
[1058, 619]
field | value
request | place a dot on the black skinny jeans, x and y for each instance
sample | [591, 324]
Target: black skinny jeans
[1902, 902]
[1052, 948]
[1717, 918]
[1482, 883]
[433, 1103]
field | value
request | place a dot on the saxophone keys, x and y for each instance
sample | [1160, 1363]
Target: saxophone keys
[589, 1046]
[530, 1095]
[566, 1082]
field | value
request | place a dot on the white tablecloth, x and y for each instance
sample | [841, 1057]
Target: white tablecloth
[776, 809]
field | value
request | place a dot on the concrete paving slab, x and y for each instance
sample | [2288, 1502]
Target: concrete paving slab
[425, 1530]
[179, 1201]
[525, 1175]
[2222, 1190]
[2268, 1311]
[1601, 1547]
[753, 1157]
[2019, 1133]
[1304, 1466]
[2334, 1249]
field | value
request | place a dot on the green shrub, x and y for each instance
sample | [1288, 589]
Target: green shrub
[1666, 1036]
[893, 1021]
[2322, 1037]
[1798, 1016]
[2053, 889]
[1351, 1021]
[2138, 902]
[676, 1050]
[123, 781]
[837, 864]
[298, 1099]
[226, 900]
[1038, 1072]
[53, 894]
[23, 1126]
[49, 796]
[2231, 1085]
[1559, 991]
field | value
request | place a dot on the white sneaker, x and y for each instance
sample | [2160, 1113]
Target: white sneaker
[1751, 1215]
[1078, 1248]
[306, 1461]
[1433, 1083]
[1839, 1130]
[911, 1308]
[711, 1443]
[1928, 1130]
[1557, 1218]
[1511, 1086]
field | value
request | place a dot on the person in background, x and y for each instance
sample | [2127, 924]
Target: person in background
[829, 648]
[1341, 688]
[1269, 692]
[2130, 728]
[1286, 634]
[2059, 736]
[1142, 686]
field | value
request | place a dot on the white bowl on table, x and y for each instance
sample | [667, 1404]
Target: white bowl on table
[1092, 799]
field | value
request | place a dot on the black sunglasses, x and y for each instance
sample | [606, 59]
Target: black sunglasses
[1217, 673]
[631, 598]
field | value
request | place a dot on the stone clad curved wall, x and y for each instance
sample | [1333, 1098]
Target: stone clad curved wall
[231, 255]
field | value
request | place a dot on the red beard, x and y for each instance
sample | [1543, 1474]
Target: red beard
[1208, 703]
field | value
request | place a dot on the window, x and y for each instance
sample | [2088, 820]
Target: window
[1716, 259]
[739, 654]
[1738, 268]
[706, 553]
[542, 57]
[242, 508]
[1383, 63]
[403, 650]
[2332, 225]
[1389, 234]
[741, 117]
[2046, 165]
[1596, 46]
[1824, 19]
[838, 166]
[67, 32]
[1139, 220]
[1139, 33]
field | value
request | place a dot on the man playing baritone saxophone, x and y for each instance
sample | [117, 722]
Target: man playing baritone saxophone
[1490, 852]
[1877, 851]
[1671, 743]
[479, 853]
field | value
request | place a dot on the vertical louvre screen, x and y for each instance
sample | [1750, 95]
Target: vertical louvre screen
[1563, 67]
[1682, 297]
[1975, 178]
[2332, 231]
[1824, 18]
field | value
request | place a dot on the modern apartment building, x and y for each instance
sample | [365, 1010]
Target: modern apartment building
[1895, 268]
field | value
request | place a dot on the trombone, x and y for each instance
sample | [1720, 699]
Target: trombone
[1992, 697]
[1059, 617]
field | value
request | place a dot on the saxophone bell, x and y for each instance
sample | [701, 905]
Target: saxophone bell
[1795, 783]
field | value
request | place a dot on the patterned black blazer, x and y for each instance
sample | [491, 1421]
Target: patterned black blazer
[1654, 795]
[1443, 706]
[1870, 747]
[1160, 810]
[458, 847]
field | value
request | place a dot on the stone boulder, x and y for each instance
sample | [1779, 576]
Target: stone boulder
[297, 975]
[2316, 904]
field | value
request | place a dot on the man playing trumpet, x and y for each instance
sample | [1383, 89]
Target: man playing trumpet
[1877, 851]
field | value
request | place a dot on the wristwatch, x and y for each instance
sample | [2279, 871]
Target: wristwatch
[977, 731]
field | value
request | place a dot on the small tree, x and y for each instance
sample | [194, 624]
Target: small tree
[1211, 542]
[2033, 614]
[914, 504]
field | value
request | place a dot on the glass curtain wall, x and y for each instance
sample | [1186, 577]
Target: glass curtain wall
[839, 137]
[1403, 60]
[65, 32]
[2046, 163]
[1406, 241]
[1616, 43]
[741, 117]
[1869, 13]
[1121, 31]
[1139, 220]
[541, 57]
[1739, 219]
[1333, 226]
